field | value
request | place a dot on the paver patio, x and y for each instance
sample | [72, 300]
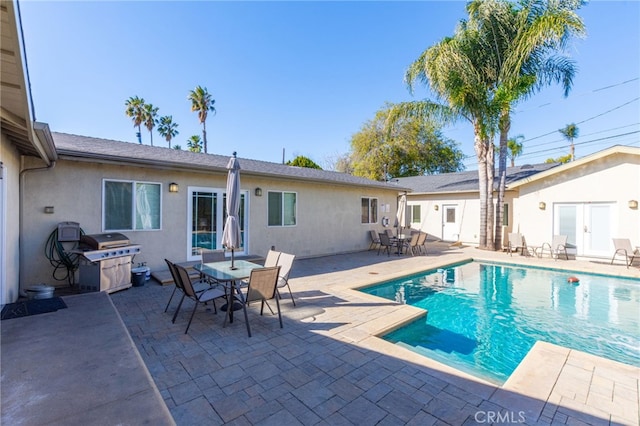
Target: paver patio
[326, 366]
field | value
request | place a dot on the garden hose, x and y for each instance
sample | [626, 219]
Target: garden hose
[62, 261]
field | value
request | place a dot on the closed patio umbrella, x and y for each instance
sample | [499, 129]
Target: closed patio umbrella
[231, 238]
[401, 216]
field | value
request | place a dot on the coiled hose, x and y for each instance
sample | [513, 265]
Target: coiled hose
[62, 261]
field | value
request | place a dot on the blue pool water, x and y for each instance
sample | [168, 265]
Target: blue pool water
[484, 318]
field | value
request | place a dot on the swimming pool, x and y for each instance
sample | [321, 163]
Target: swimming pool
[483, 318]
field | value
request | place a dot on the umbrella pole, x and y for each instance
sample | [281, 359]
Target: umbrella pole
[232, 266]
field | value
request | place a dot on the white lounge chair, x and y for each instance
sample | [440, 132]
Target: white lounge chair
[285, 261]
[557, 245]
[623, 247]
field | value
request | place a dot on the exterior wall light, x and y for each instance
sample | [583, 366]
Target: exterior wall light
[436, 207]
[49, 209]
[633, 204]
[173, 187]
[258, 192]
[542, 205]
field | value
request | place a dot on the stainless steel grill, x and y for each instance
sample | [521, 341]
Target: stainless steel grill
[108, 258]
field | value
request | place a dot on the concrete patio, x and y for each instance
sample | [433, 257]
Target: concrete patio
[326, 366]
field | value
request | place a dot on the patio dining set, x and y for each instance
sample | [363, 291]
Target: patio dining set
[408, 241]
[237, 283]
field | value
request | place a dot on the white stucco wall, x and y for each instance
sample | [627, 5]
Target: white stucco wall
[328, 216]
[467, 213]
[614, 179]
[10, 229]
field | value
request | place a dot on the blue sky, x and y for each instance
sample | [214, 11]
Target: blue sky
[302, 77]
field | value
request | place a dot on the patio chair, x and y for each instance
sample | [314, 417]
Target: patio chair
[389, 232]
[517, 242]
[203, 297]
[375, 239]
[412, 244]
[623, 247]
[558, 244]
[422, 242]
[262, 286]
[285, 261]
[199, 287]
[385, 243]
[209, 256]
[272, 258]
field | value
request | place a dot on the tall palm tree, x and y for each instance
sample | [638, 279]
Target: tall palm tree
[167, 128]
[501, 55]
[523, 45]
[194, 143]
[150, 114]
[134, 109]
[450, 68]
[514, 146]
[202, 102]
[570, 133]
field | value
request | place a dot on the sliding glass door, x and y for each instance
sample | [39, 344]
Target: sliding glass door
[206, 215]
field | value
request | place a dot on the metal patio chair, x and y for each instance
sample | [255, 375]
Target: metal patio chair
[623, 248]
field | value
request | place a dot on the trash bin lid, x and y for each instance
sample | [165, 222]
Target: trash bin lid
[139, 270]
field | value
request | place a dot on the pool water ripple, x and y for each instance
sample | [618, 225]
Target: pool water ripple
[484, 318]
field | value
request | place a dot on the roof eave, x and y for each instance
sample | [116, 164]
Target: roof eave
[617, 149]
[169, 165]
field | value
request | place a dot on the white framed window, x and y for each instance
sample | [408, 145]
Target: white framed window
[282, 208]
[131, 205]
[369, 210]
[416, 214]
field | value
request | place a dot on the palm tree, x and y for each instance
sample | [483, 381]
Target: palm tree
[500, 56]
[450, 69]
[514, 145]
[202, 102]
[134, 110]
[194, 143]
[167, 128]
[521, 46]
[149, 117]
[177, 147]
[570, 133]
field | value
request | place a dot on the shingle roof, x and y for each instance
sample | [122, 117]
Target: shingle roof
[109, 150]
[466, 181]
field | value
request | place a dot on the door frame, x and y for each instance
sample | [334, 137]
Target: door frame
[455, 224]
[219, 221]
[583, 233]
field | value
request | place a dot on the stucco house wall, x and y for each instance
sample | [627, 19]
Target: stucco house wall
[9, 220]
[467, 214]
[613, 179]
[601, 182]
[328, 215]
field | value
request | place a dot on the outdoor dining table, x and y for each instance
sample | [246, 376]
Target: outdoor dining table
[230, 278]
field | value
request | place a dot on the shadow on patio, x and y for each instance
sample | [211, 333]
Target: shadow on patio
[324, 367]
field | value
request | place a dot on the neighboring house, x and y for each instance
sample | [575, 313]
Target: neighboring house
[447, 206]
[591, 200]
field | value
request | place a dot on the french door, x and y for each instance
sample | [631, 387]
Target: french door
[589, 226]
[206, 213]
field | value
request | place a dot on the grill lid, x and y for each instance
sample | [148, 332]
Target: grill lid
[102, 241]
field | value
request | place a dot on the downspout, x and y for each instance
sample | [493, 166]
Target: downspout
[21, 178]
